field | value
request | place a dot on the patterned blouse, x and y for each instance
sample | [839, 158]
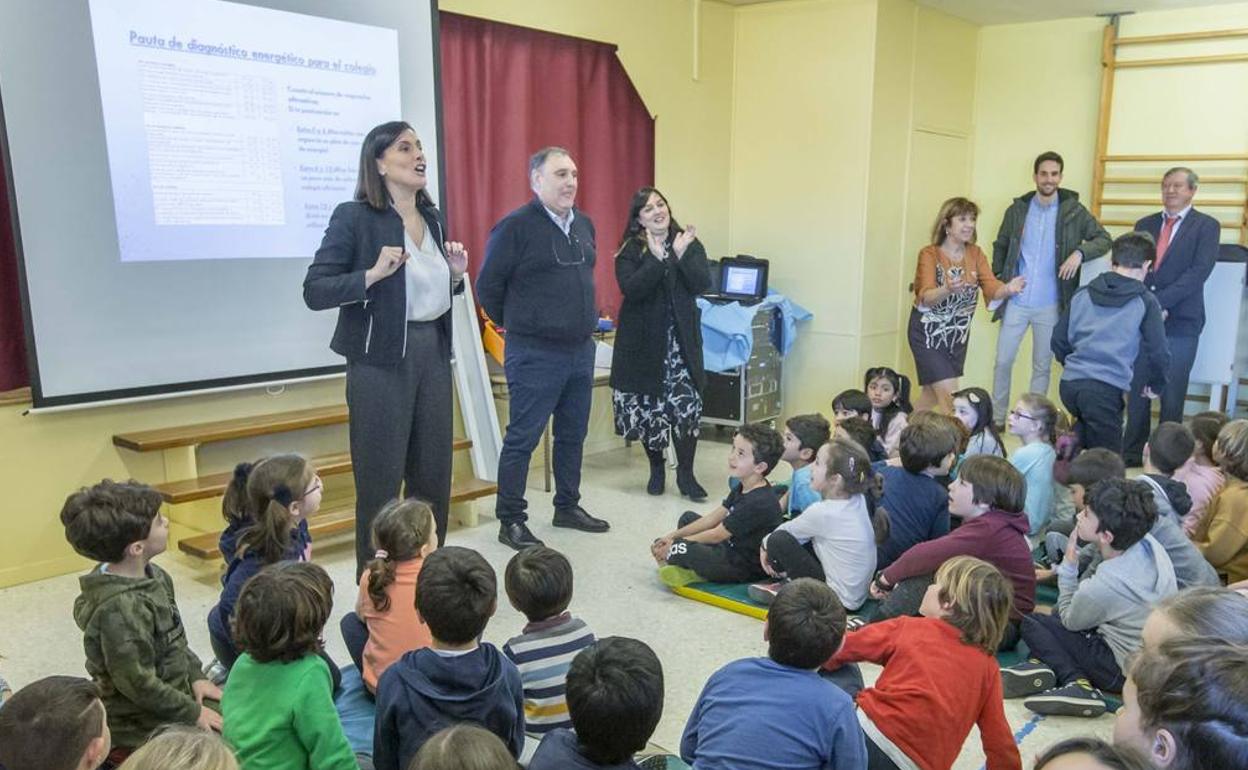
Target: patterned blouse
[948, 322]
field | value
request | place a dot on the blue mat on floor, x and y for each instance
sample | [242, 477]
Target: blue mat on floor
[357, 711]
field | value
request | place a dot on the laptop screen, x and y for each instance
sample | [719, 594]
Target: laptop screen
[741, 279]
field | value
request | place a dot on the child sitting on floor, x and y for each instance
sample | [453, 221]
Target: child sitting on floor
[1083, 646]
[385, 624]
[282, 492]
[1034, 420]
[988, 497]
[889, 393]
[1184, 705]
[722, 546]
[849, 404]
[859, 431]
[1203, 612]
[940, 677]
[1168, 448]
[132, 631]
[973, 406]
[615, 697]
[458, 678]
[915, 504]
[1200, 474]
[776, 711]
[464, 746]
[279, 704]
[539, 584]
[56, 723]
[833, 540]
[803, 435]
[1087, 468]
[1090, 754]
[182, 748]
[1223, 534]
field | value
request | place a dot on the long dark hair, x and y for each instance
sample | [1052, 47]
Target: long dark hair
[633, 228]
[370, 187]
[273, 485]
[981, 402]
[901, 399]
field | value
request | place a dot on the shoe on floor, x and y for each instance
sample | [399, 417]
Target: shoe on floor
[1027, 678]
[765, 593]
[855, 623]
[517, 536]
[577, 518]
[1077, 699]
[216, 673]
[689, 486]
[676, 577]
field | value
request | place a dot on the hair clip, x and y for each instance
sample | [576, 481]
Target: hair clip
[381, 554]
[281, 493]
[973, 397]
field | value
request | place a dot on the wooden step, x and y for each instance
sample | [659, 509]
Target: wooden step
[334, 520]
[225, 430]
[214, 484]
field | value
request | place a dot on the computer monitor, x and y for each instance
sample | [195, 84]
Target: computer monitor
[743, 279]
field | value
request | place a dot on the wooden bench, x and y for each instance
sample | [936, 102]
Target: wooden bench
[179, 444]
[333, 521]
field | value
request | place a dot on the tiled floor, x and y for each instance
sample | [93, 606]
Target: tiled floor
[616, 593]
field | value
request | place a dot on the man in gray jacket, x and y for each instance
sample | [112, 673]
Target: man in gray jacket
[1045, 236]
[1109, 323]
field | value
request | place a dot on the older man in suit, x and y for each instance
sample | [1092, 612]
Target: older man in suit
[1187, 248]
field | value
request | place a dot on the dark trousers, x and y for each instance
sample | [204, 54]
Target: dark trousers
[355, 636]
[1097, 410]
[715, 563]
[848, 677]
[792, 558]
[401, 432]
[543, 380]
[1139, 410]
[1072, 654]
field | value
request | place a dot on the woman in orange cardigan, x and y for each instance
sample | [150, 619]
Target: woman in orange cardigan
[950, 273]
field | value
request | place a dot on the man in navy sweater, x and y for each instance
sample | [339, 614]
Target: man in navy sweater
[538, 283]
[1187, 248]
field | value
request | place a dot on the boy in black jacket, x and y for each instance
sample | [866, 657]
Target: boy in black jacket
[458, 678]
[1109, 322]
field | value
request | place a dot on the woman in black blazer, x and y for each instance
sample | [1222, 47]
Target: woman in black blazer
[386, 265]
[656, 371]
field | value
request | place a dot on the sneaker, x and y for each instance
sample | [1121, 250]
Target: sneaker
[216, 673]
[856, 622]
[765, 593]
[1027, 678]
[676, 577]
[1077, 699]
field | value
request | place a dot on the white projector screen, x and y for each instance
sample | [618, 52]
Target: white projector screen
[172, 166]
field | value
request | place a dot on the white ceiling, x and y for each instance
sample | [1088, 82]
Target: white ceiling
[1014, 11]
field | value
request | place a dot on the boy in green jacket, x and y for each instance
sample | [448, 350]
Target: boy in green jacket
[132, 633]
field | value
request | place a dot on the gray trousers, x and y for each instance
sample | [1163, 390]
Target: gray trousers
[401, 432]
[1014, 323]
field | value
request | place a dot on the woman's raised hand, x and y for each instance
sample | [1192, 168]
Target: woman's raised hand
[389, 260]
[456, 259]
[657, 245]
[683, 239]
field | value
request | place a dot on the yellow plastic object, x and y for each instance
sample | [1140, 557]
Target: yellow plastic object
[492, 340]
[723, 602]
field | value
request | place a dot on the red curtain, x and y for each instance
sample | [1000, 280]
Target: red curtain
[12, 337]
[508, 91]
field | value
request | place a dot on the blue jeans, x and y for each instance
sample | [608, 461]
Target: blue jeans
[1014, 323]
[1139, 410]
[544, 379]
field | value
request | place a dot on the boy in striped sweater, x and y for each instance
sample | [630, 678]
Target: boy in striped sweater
[539, 584]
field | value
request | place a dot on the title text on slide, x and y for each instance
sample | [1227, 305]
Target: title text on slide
[194, 45]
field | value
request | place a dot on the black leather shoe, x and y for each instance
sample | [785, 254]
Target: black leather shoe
[517, 536]
[576, 518]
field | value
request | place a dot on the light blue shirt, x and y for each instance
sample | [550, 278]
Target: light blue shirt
[1037, 261]
[801, 496]
[1035, 462]
[563, 223]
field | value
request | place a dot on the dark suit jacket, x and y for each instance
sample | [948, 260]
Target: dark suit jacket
[1180, 283]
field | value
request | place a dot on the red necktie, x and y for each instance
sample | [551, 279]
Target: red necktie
[1163, 241]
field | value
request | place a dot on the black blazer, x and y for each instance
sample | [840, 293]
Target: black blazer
[1180, 283]
[650, 287]
[372, 323]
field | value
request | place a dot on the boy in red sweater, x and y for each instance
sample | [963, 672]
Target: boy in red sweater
[940, 676]
[988, 496]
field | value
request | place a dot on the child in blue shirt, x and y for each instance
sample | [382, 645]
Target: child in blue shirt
[1034, 420]
[777, 711]
[803, 435]
[914, 502]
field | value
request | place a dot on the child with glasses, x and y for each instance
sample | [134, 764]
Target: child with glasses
[1034, 420]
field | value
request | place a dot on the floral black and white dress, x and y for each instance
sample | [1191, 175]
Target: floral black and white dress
[939, 333]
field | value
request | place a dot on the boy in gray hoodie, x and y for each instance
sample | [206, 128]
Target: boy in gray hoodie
[1099, 337]
[1083, 646]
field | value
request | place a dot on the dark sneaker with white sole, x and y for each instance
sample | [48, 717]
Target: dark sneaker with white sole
[765, 593]
[1077, 699]
[1027, 678]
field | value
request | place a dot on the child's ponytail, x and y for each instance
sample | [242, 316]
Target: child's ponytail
[270, 491]
[234, 503]
[400, 531]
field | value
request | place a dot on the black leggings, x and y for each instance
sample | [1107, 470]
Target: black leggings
[792, 558]
[715, 563]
